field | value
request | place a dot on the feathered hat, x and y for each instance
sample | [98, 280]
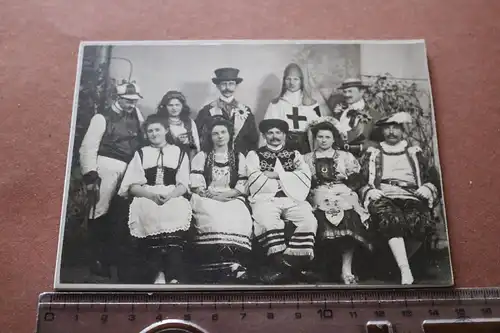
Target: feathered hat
[128, 91]
[398, 118]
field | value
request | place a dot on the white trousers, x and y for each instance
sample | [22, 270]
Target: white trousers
[270, 217]
[111, 172]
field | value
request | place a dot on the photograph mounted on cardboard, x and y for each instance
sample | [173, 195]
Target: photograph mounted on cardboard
[253, 164]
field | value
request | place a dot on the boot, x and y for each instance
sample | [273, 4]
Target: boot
[97, 244]
[100, 269]
[279, 272]
[237, 273]
[301, 269]
[173, 264]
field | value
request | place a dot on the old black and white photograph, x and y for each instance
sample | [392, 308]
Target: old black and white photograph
[253, 164]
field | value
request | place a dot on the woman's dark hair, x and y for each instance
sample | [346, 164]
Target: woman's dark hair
[233, 157]
[170, 95]
[219, 121]
[184, 116]
[326, 126]
[156, 119]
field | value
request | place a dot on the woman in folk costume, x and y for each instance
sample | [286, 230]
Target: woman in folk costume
[296, 107]
[159, 216]
[342, 221]
[181, 128]
[223, 222]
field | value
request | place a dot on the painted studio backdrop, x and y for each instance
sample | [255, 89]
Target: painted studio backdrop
[396, 75]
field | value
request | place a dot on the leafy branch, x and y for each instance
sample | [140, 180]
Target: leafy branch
[389, 95]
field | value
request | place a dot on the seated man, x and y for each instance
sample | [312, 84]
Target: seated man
[400, 192]
[279, 182]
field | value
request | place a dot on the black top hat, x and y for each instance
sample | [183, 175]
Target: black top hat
[226, 74]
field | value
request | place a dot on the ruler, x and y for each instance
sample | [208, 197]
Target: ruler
[344, 311]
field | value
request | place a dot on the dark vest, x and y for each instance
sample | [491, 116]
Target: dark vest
[325, 170]
[268, 158]
[122, 137]
[168, 173]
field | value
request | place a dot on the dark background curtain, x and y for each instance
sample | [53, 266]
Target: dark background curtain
[93, 91]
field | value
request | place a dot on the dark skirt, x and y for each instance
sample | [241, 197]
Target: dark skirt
[163, 252]
[218, 263]
[298, 141]
[400, 218]
[349, 231]
[333, 240]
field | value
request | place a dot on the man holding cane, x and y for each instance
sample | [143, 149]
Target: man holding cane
[108, 146]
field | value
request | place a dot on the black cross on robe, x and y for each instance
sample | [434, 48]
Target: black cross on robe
[295, 117]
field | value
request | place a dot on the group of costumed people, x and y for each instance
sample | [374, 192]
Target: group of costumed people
[316, 186]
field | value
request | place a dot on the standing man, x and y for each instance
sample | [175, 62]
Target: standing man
[355, 118]
[401, 190]
[246, 137]
[279, 182]
[296, 107]
[109, 144]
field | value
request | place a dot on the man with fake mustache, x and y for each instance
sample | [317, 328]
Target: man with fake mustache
[113, 136]
[246, 137]
[402, 188]
[356, 118]
[279, 182]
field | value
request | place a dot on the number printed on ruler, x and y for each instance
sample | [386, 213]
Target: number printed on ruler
[350, 311]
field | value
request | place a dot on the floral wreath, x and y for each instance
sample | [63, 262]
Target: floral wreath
[326, 119]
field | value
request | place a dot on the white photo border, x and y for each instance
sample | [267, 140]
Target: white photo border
[59, 286]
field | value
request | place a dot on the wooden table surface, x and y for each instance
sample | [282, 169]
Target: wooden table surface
[38, 55]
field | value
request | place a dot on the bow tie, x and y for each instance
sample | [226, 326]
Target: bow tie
[352, 113]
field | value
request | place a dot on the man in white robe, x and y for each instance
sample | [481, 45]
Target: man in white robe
[279, 182]
[295, 107]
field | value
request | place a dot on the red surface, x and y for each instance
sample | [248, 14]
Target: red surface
[38, 55]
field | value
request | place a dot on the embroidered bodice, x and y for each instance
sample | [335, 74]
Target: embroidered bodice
[221, 172]
[332, 167]
[268, 157]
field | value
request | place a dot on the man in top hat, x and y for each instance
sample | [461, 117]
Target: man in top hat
[401, 188]
[279, 182]
[355, 118]
[109, 144]
[246, 137]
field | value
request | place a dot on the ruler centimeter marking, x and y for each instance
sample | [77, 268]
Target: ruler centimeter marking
[407, 311]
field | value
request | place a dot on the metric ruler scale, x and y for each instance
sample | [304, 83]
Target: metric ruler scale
[346, 311]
